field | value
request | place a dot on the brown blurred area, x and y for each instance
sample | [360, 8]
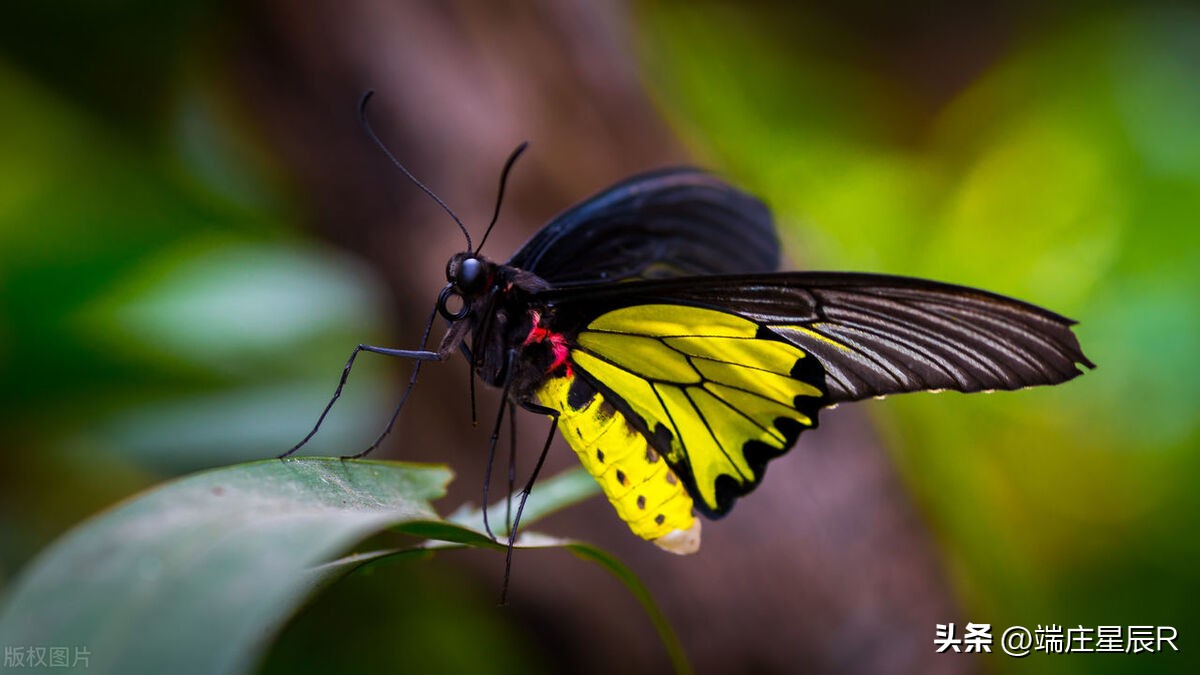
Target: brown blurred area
[826, 568]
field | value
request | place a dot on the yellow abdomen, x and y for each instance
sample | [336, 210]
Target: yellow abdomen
[646, 493]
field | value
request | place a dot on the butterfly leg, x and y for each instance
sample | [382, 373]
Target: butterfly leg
[418, 355]
[495, 440]
[537, 468]
[512, 463]
[487, 470]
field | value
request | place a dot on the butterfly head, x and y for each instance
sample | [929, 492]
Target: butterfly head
[469, 275]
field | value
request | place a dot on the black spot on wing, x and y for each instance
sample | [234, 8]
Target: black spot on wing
[811, 371]
[727, 490]
[765, 333]
[790, 427]
[662, 436]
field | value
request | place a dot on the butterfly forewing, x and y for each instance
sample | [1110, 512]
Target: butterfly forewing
[660, 224]
[876, 334]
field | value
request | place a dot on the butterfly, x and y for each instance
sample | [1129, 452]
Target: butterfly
[649, 323]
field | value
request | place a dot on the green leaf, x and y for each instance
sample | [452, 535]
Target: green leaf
[198, 574]
[552, 494]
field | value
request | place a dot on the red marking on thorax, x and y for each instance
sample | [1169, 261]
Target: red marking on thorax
[558, 344]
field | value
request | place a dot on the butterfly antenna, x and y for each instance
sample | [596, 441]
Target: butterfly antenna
[512, 159]
[362, 117]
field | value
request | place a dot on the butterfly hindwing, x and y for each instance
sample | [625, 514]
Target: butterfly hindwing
[715, 395]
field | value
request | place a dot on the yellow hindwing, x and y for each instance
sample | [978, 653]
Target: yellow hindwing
[719, 395]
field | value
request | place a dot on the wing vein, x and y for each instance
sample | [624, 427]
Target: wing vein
[713, 436]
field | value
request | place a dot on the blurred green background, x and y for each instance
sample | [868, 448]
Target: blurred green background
[174, 294]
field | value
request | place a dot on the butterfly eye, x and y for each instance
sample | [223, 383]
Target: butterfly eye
[443, 304]
[469, 276]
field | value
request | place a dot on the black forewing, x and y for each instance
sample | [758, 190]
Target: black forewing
[874, 334]
[660, 224]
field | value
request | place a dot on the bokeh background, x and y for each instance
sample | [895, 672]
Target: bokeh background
[194, 231]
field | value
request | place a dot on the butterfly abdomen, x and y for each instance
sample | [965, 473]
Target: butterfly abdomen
[646, 493]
